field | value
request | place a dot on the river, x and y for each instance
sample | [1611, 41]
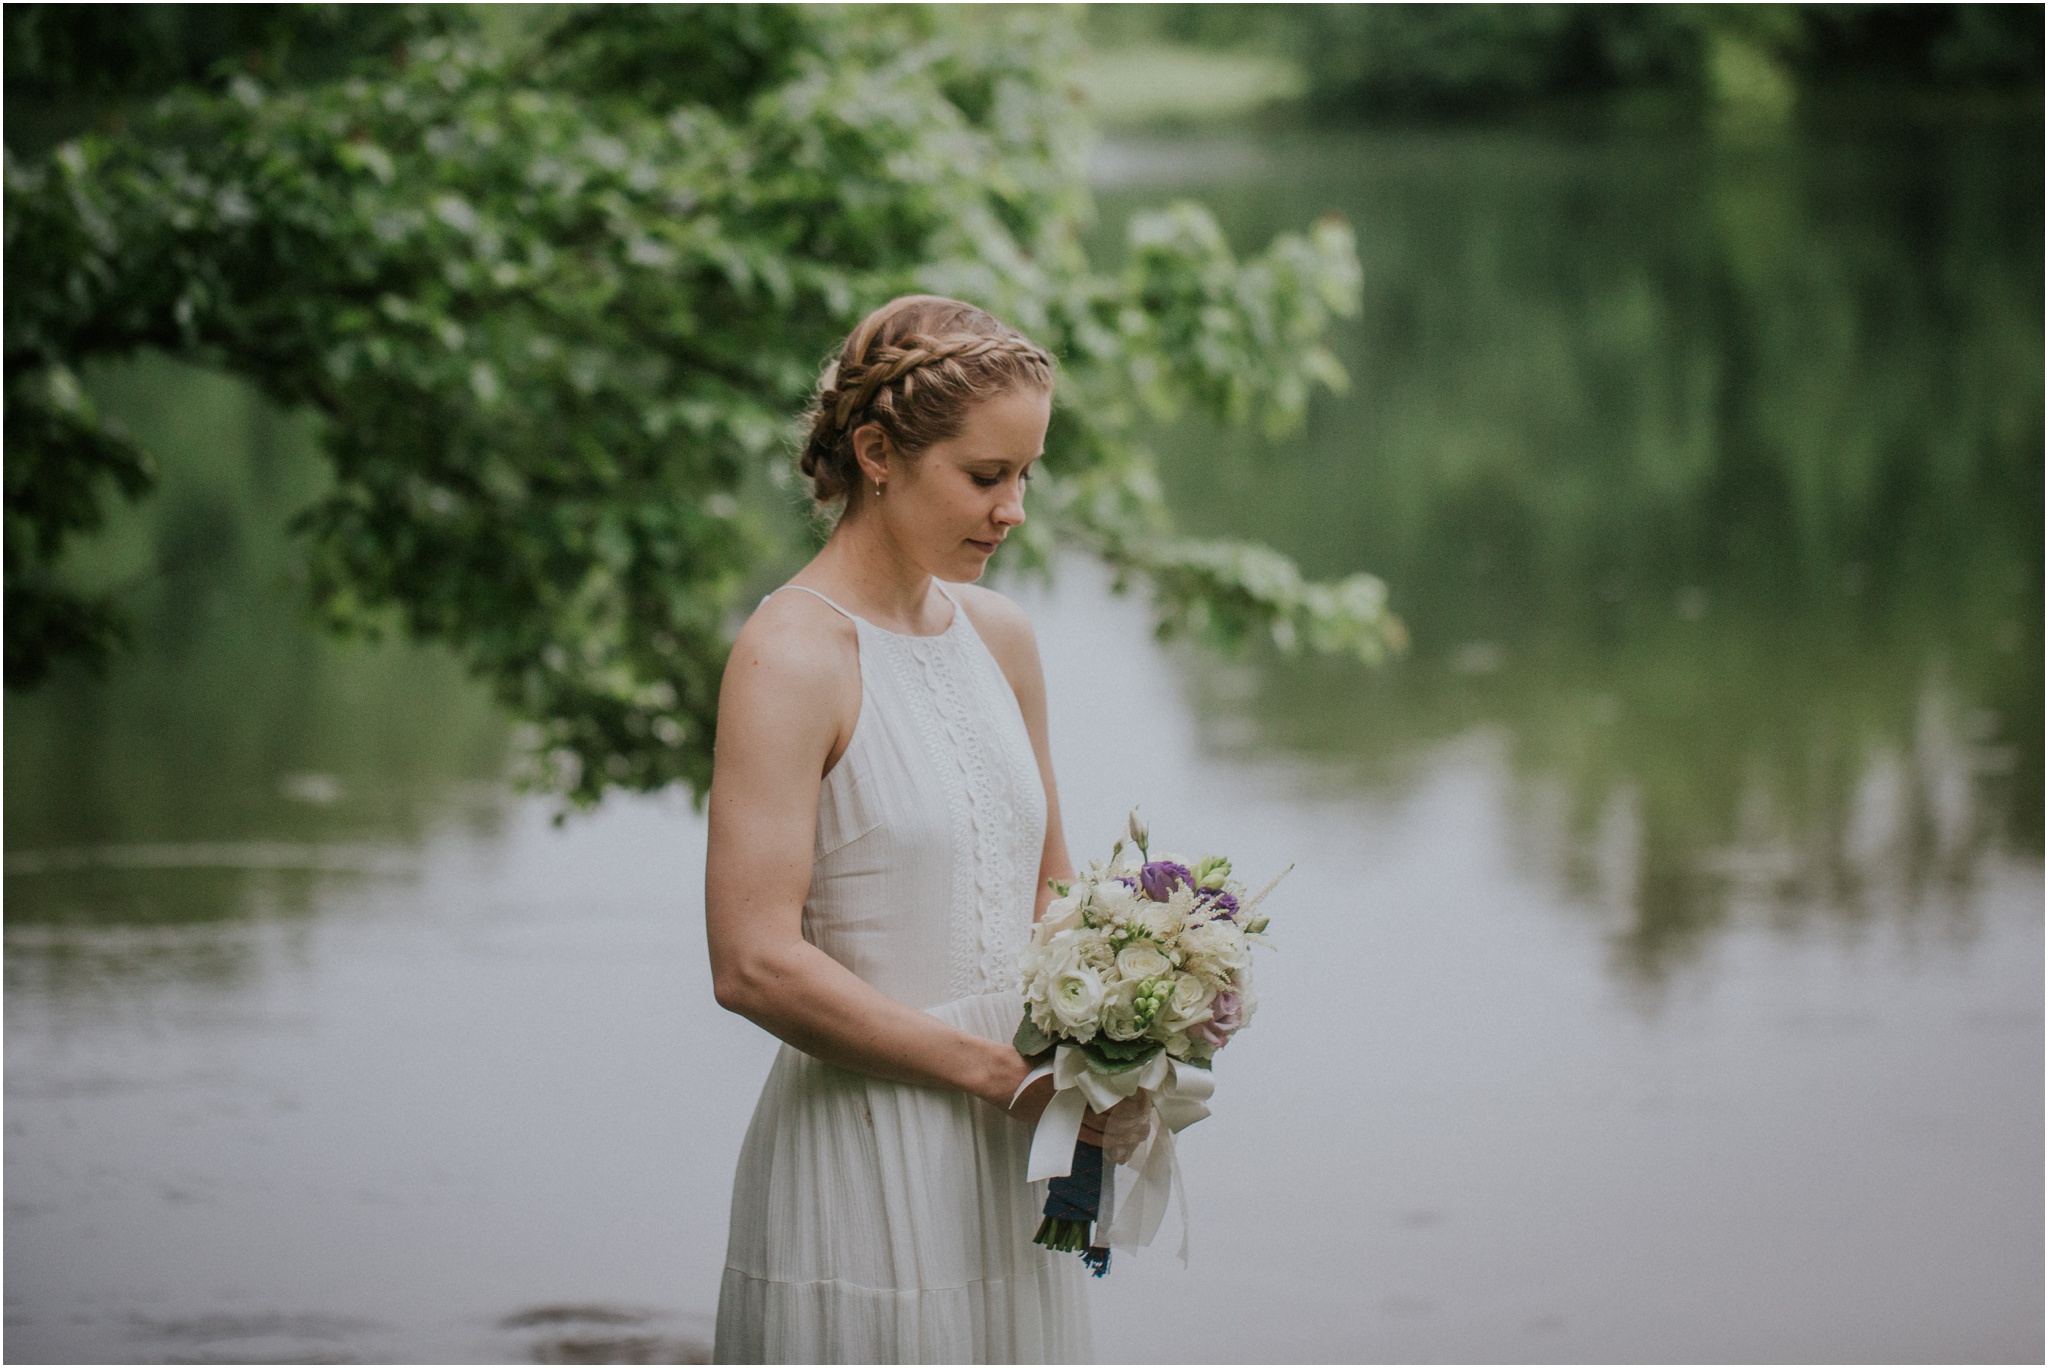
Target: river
[1660, 979]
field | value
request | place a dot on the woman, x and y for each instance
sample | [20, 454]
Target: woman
[883, 821]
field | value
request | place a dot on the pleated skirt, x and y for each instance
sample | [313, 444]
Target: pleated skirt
[874, 1222]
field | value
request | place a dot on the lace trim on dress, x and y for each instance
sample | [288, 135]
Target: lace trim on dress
[975, 954]
[1006, 906]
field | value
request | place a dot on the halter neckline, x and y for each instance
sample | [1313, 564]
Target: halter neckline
[875, 627]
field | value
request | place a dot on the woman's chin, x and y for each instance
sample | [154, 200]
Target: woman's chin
[969, 565]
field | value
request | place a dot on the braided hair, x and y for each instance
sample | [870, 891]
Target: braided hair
[914, 367]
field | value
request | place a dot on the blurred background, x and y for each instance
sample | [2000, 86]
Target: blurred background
[1662, 975]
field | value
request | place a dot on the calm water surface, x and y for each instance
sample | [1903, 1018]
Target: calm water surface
[1662, 975]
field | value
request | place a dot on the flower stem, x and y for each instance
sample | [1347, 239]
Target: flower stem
[1068, 1237]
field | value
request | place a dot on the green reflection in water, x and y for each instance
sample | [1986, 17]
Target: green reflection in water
[233, 759]
[1708, 477]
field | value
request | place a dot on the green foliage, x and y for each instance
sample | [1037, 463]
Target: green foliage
[1031, 1040]
[1117, 1056]
[69, 66]
[1437, 57]
[60, 456]
[1457, 54]
[557, 304]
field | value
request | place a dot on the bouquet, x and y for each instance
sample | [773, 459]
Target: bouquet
[1138, 973]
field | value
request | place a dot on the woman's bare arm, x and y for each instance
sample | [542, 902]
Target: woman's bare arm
[788, 704]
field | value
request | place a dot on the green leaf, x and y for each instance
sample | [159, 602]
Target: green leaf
[1030, 1040]
[1119, 1056]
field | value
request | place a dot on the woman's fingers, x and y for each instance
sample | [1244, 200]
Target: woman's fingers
[1120, 1130]
[1126, 1127]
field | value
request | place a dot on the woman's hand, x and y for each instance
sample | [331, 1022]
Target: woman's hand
[1032, 1102]
[1119, 1131]
[1125, 1127]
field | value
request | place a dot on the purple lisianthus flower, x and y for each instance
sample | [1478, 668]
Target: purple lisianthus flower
[1226, 901]
[1161, 877]
[1226, 1014]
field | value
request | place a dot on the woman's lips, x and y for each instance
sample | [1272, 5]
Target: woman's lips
[987, 548]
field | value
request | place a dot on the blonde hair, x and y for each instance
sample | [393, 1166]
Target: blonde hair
[913, 367]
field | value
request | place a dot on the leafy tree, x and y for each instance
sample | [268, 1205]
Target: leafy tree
[558, 299]
[70, 67]
[1462, 57]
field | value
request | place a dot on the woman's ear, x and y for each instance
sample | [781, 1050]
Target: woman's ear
[871, 448]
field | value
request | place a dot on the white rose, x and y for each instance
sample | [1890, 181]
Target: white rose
[1142, 960]
[1045, 963]
[1120, 1012]
[1075, 996]
[1061, 914]
[1186, 1006]
[1190, 996]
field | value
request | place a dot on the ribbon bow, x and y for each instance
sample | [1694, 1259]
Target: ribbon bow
[1178, 1098]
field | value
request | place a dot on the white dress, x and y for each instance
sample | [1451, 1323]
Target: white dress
[875, 1222]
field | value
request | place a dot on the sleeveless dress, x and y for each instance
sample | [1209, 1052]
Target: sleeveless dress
[877, 1222]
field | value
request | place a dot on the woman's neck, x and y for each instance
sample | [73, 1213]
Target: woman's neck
[869, 570]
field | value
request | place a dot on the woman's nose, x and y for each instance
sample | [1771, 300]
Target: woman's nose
[1010, 508]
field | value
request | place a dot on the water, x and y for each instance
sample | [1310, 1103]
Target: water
[1661, 979]
[1710, 473]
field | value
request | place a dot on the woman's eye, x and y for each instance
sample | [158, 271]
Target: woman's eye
[986, 481]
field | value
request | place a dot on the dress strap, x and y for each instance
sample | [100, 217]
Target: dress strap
[959, 609]
[814, 594]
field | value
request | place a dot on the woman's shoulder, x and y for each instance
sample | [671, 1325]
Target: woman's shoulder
[992, 614]
[1002, 626]
[789, 701]
[795, 642]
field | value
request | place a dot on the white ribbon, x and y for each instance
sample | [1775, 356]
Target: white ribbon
[1178, 1099]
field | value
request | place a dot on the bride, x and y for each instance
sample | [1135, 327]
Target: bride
[883, 821]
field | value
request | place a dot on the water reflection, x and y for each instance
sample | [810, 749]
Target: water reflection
[293, 982]
[229, 718]
[1708, 475]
